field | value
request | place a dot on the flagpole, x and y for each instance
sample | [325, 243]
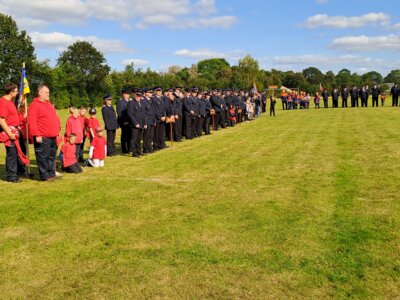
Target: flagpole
[26, 126]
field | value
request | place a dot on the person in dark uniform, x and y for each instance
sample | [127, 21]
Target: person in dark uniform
[150, 119]
[178, 108]
[335, 98]
[169, 100]
[394, 91]
[202, 113]
[363, 97]
[272, 106]
[188, 114]
[264, 101]
[325, 97]
[224, 110]
[216, 106]
[353, 95]
[159, 129]
[208, 108]
[368, 92]
[195, 117]
[123, 121]
[110, 123]
[345, 96]
[137, 118]
[375, 95]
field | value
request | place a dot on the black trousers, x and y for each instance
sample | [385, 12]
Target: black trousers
[272, 111]
[178, 129]
[195, 121]
[217, 116]
[11, 162]
[148, 136]
[222, 119]
[158, 136]
[126, 132]
[188, 126]
[75, 168]
[395, 100]
[111, 142]
[325, 103]
[82, 147]
[200, 122]
[344, 102]
[375, 101]
[77, 151]
[23, 145]
[45, 157]
[136, 138]
[206, 124]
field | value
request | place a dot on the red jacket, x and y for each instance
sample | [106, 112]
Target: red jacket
[99, 150]
[43, 120]
[69, 154]
[74, 126]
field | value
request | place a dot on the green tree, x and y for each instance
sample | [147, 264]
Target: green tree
[84, 62]
[313, 75]
[293, 80]
[212, 69]
[15, 49]
[393, 76]
[343, 78]
[329, 81]
[246, 72]
[372, 78]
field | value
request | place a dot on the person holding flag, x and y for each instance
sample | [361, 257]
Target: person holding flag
[9, 122]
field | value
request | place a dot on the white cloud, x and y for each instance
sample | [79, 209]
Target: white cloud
[130, 13]
[135, 61]
[60, 41]
[364, 43]
[205, 7]
[206, 53]
[323, 20]
[175, 23]
[396, 26]
[199, 53]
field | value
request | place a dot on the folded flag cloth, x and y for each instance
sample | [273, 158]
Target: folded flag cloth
[4, 138]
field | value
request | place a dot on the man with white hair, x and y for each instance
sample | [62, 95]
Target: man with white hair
[45, 128]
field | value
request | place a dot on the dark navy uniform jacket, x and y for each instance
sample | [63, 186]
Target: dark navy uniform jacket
[109, 117]
[136, 114]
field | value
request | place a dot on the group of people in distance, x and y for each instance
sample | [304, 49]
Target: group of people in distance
[358, 97]
[147, 118]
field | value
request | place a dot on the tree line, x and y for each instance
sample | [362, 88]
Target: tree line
[82, 76]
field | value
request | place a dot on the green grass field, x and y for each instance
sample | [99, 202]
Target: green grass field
[304, 205]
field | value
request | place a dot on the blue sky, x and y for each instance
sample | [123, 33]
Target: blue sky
[360, 35]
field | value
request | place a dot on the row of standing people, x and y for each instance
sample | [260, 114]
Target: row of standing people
[357, 96]
[149, 117]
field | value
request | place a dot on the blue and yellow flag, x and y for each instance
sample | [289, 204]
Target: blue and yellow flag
[23, 86]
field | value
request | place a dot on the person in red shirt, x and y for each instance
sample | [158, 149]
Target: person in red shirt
[45, 127]
[85, 125]
[98, 149]
[93, 123]
[68, 150]
[9, 118]
[74, 125]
